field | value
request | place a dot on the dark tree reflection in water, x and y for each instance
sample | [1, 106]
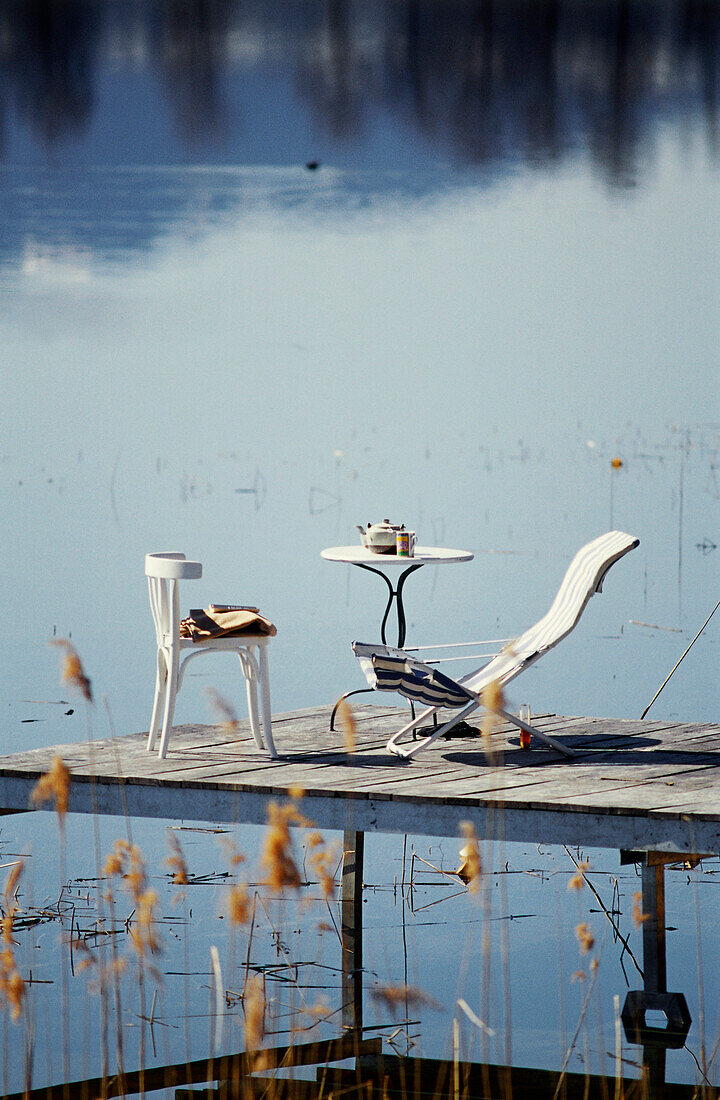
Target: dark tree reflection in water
[481, 82]
[49, 52]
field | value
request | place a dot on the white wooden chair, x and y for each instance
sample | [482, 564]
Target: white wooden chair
[388, 669]
[164, 571]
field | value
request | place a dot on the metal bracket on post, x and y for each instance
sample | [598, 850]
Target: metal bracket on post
[639, 1032]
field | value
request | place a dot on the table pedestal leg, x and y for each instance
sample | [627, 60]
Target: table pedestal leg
[393, 594]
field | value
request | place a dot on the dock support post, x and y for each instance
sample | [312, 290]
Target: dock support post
[654, 996]
[351, 916]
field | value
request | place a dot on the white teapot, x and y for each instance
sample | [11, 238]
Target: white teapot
[380, 537]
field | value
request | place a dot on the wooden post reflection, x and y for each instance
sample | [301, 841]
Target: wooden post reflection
[351, 916]
[653, 907]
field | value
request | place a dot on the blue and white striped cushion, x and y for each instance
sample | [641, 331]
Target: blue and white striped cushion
[389, 669]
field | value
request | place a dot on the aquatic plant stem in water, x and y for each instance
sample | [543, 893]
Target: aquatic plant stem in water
[682, 658]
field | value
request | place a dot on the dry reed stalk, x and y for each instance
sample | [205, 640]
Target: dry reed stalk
[318, 1013]
[13, 989]
[346, 718]
[219, 999]
[492, 700]
[618, 1047]
[578, 879]
[585, 937]
[470, 870]
[126, 862]
[254, 1003]
[115, 969]
[407, 996]
[474, 1018]
[71, 669]
[638, 916]
[54, 786]
[250, 940]
[278, 857]
[176, 861]
[560, 1086]
[239, 904]
[223, 709]
[323, 860]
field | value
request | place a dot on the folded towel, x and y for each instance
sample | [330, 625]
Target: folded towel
[210, 622]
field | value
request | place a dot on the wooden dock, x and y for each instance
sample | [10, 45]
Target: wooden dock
[633, 784]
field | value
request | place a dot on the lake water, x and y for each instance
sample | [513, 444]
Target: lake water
[269, 271]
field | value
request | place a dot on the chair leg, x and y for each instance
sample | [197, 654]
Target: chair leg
[417, 746]
[170, 696]
[265, 701]
[160, 685]
[416, 720]
[247, 663]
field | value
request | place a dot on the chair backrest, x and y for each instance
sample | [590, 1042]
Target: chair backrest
[583, 579]
[163, 572]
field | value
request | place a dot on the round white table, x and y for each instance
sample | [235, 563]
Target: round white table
[375, 563]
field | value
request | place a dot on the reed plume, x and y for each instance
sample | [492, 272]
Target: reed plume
[253, 1004]
[126, 861]
[54, 786]
[492, 700]
[346, 718]
[585, 937]
[239, 904]
[278, 858]
[578, 879]
[393, 997]
[71, 669]
[638, 916]
[223, 709]
[470, 869]
[13, 989]
[176, 861]
[322, 858]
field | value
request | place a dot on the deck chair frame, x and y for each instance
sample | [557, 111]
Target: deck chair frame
[400, 670]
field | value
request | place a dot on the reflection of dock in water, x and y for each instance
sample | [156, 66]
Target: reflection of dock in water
[632, 785]
[357, 1065]
[392, 1077]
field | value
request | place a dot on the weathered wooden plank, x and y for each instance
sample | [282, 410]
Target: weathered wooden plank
[633, 782]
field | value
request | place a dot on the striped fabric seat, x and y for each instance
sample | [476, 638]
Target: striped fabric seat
[388, 669]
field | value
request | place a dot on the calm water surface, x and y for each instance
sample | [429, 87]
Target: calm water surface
[500, 272]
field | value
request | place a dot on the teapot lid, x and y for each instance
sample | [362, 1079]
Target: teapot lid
[386, 525]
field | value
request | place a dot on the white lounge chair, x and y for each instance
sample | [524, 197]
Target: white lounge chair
[164, 571]
[388, 669]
